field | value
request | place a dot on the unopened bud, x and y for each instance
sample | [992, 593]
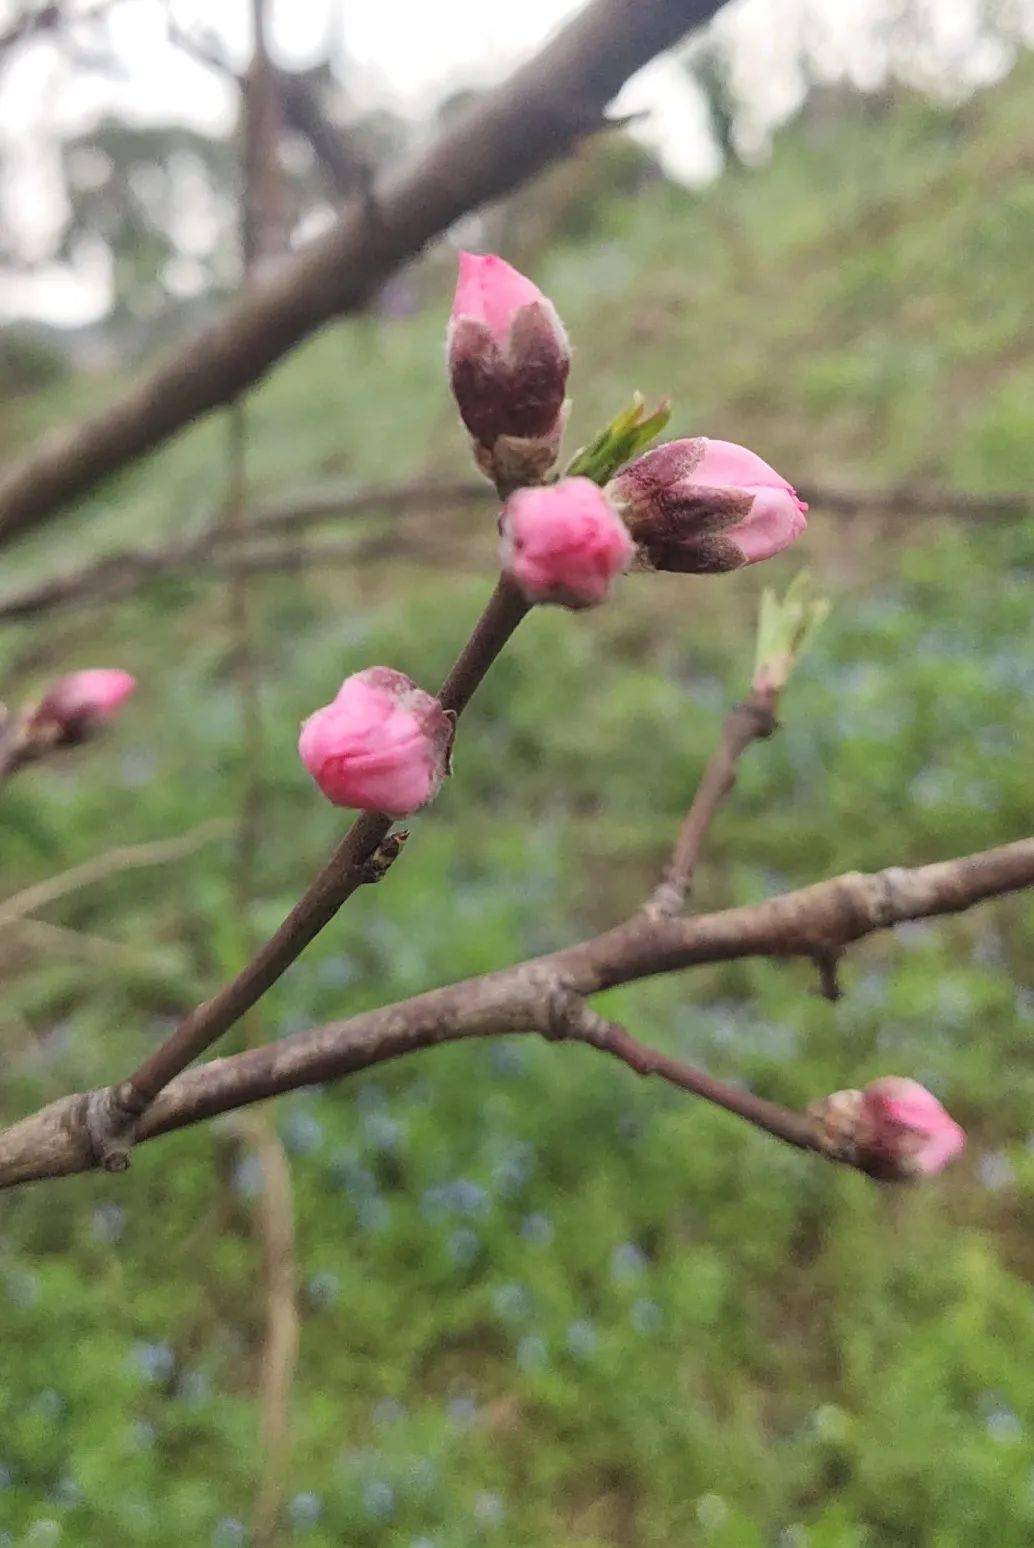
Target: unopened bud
[895, 1129]
[702, 506]
[80, 702]
[381, 746]
[508, 363]
[564, 543]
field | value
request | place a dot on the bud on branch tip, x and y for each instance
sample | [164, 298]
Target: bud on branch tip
[785, 630]
[381, 746]
[702, 506]
[508, 358]
[564, 543]
[80, 702]
[895, 1129]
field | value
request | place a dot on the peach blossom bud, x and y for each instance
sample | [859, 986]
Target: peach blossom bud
[703, 506]
[563, 543]
[508, 353]
[895, 1129]
[381, 746]
[903, 1128]
[76, 704]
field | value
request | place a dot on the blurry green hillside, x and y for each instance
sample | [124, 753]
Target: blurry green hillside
[544, 1304]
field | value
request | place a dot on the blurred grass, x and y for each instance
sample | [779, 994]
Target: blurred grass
[543, 1303]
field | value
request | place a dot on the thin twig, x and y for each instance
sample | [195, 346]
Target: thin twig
[216, 548]
[746, 723]
[97, 948]
[128, 857]
[578, 1021]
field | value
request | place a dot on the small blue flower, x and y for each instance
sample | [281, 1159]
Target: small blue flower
[373, 1214]
[582, 1340]
[489, 1509]
[382, 1131]
[378, 1498]
[646, 1316]
[512, 1302]
[464, 1247]
[463, 1411]
[229, 1533]
[322, 1291]
[387, 1412]
[304, 1510]
[537, 1229]
[107, 1223]
[627, 1262]
[532, 1352]
[157, 1361]
[301, 1133]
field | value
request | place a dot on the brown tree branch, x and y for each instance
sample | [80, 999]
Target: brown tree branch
[363, 855]
[119, 574]
[576, 1020]
[58, 1140]
[532, 119]
[748, 722]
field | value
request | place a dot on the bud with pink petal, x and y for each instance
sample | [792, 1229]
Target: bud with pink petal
[563, 543]
[895, 1129]
[702, 506]
[381, 746]
[79, 702]
[508, 363]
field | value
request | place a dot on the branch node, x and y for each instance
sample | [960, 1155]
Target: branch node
[110, 1125]
[827, 960]
[561, 1012]
[383, 858]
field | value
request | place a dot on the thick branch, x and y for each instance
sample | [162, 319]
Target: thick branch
[534, 118]
[57, 1140]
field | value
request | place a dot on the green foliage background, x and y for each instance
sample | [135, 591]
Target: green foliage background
[543, 1303]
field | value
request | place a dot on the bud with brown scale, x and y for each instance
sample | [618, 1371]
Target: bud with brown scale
[508, 363]
[702, 506]
[895, 1129]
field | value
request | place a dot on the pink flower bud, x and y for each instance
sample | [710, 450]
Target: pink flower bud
[895, 1129]
[563, 543]
[904, 1129]
[508, 353]
[76, 704]
[703, 506]
[381, 746]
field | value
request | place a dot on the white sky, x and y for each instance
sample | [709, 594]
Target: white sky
[409, 53]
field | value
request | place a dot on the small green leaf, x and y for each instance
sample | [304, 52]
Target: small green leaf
[616, 443]
[785, 630]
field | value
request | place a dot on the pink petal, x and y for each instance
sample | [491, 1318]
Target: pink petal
[725, 463]
[775, 521]
[491, 291]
